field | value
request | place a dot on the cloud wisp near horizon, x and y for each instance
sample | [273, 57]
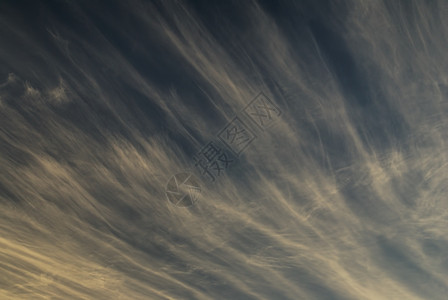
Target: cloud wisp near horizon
[341, 197]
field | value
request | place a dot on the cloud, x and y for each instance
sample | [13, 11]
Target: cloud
[343, 197]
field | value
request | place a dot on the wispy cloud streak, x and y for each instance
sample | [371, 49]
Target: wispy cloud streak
[343, 198]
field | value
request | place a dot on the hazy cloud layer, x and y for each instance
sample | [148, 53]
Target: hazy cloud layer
[344, 197]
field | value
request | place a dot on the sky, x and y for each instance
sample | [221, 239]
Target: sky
[224, 149]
